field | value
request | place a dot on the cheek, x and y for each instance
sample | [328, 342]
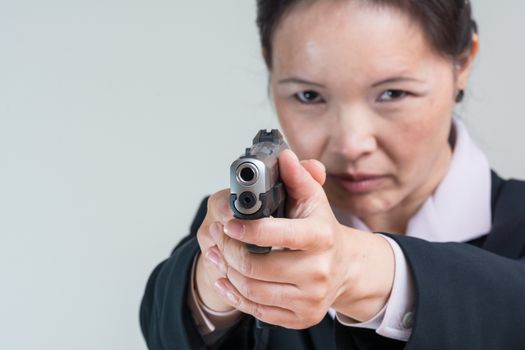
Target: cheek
[421, 140]
[305, 137]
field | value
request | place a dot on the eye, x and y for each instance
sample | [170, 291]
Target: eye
[308, 97]
[392, 95]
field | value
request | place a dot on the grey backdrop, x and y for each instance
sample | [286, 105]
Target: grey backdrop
[118, 116]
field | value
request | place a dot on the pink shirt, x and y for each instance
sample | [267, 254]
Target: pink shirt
[459, 210]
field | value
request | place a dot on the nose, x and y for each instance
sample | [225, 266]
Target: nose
[353, 135]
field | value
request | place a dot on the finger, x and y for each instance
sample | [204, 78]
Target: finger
[316, 170]
[215, 260]
[281, 266]
[203, 280]
[216, 230]
[218, 210]
[269, 314]
[209, 235]
[296, 234]
[263, 292]
[219, 206]
[300, 185]
[204, 237]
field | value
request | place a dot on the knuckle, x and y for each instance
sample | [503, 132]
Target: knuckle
[246, 265]
[212, 201]
[321, 274]
[257, 311]
[249, 292]
[245, 290]
[310, 318]
[259, 229]
[230, 251]
[316, 317]
[290, 235]
[202, 235]
[262, 230]
[218, 204]
[315, 297]
[224, 212]
[328, 241]
[318, 295]
[322, 239]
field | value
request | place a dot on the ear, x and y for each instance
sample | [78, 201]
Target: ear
[464, 64]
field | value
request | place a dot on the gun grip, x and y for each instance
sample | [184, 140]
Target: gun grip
[260, 324]
[252, 248]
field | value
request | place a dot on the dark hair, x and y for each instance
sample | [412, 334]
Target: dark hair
[447, 24]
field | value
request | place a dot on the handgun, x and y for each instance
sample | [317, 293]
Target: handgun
[256, 190]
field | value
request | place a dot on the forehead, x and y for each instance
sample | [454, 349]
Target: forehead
[349, 36]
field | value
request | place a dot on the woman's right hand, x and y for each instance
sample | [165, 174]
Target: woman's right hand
[218, 214]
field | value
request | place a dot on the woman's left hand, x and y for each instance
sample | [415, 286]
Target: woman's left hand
[324, 264]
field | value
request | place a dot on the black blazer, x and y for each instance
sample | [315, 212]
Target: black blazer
[466, 297]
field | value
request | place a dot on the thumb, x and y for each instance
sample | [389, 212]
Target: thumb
[300, 183]
[316, 169]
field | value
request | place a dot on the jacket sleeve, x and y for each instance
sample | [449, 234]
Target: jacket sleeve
[466, 298]
[165, 317]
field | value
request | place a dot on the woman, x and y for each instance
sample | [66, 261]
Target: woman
[364, 92]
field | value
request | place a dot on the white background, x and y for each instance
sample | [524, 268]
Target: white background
[117, 117]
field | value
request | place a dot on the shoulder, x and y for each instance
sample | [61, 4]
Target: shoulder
[508, 198]
[507, 236]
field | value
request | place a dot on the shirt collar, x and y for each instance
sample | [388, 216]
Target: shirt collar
[459, 209]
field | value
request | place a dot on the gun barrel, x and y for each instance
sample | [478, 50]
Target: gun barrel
[247, 173]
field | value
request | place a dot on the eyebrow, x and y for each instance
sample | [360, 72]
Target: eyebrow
[299, 81]
[396, 80]
[381, 82]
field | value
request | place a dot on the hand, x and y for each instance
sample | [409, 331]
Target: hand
[324, 264]
[210, 265]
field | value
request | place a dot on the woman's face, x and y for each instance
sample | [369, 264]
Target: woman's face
[359, 88]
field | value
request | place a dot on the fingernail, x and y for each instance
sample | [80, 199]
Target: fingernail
[224, 290]
[214, 257]
[233, 298]
[215, 231]
[234, 229]
[220, 287]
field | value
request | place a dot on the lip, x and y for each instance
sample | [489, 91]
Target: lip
[358, 183]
